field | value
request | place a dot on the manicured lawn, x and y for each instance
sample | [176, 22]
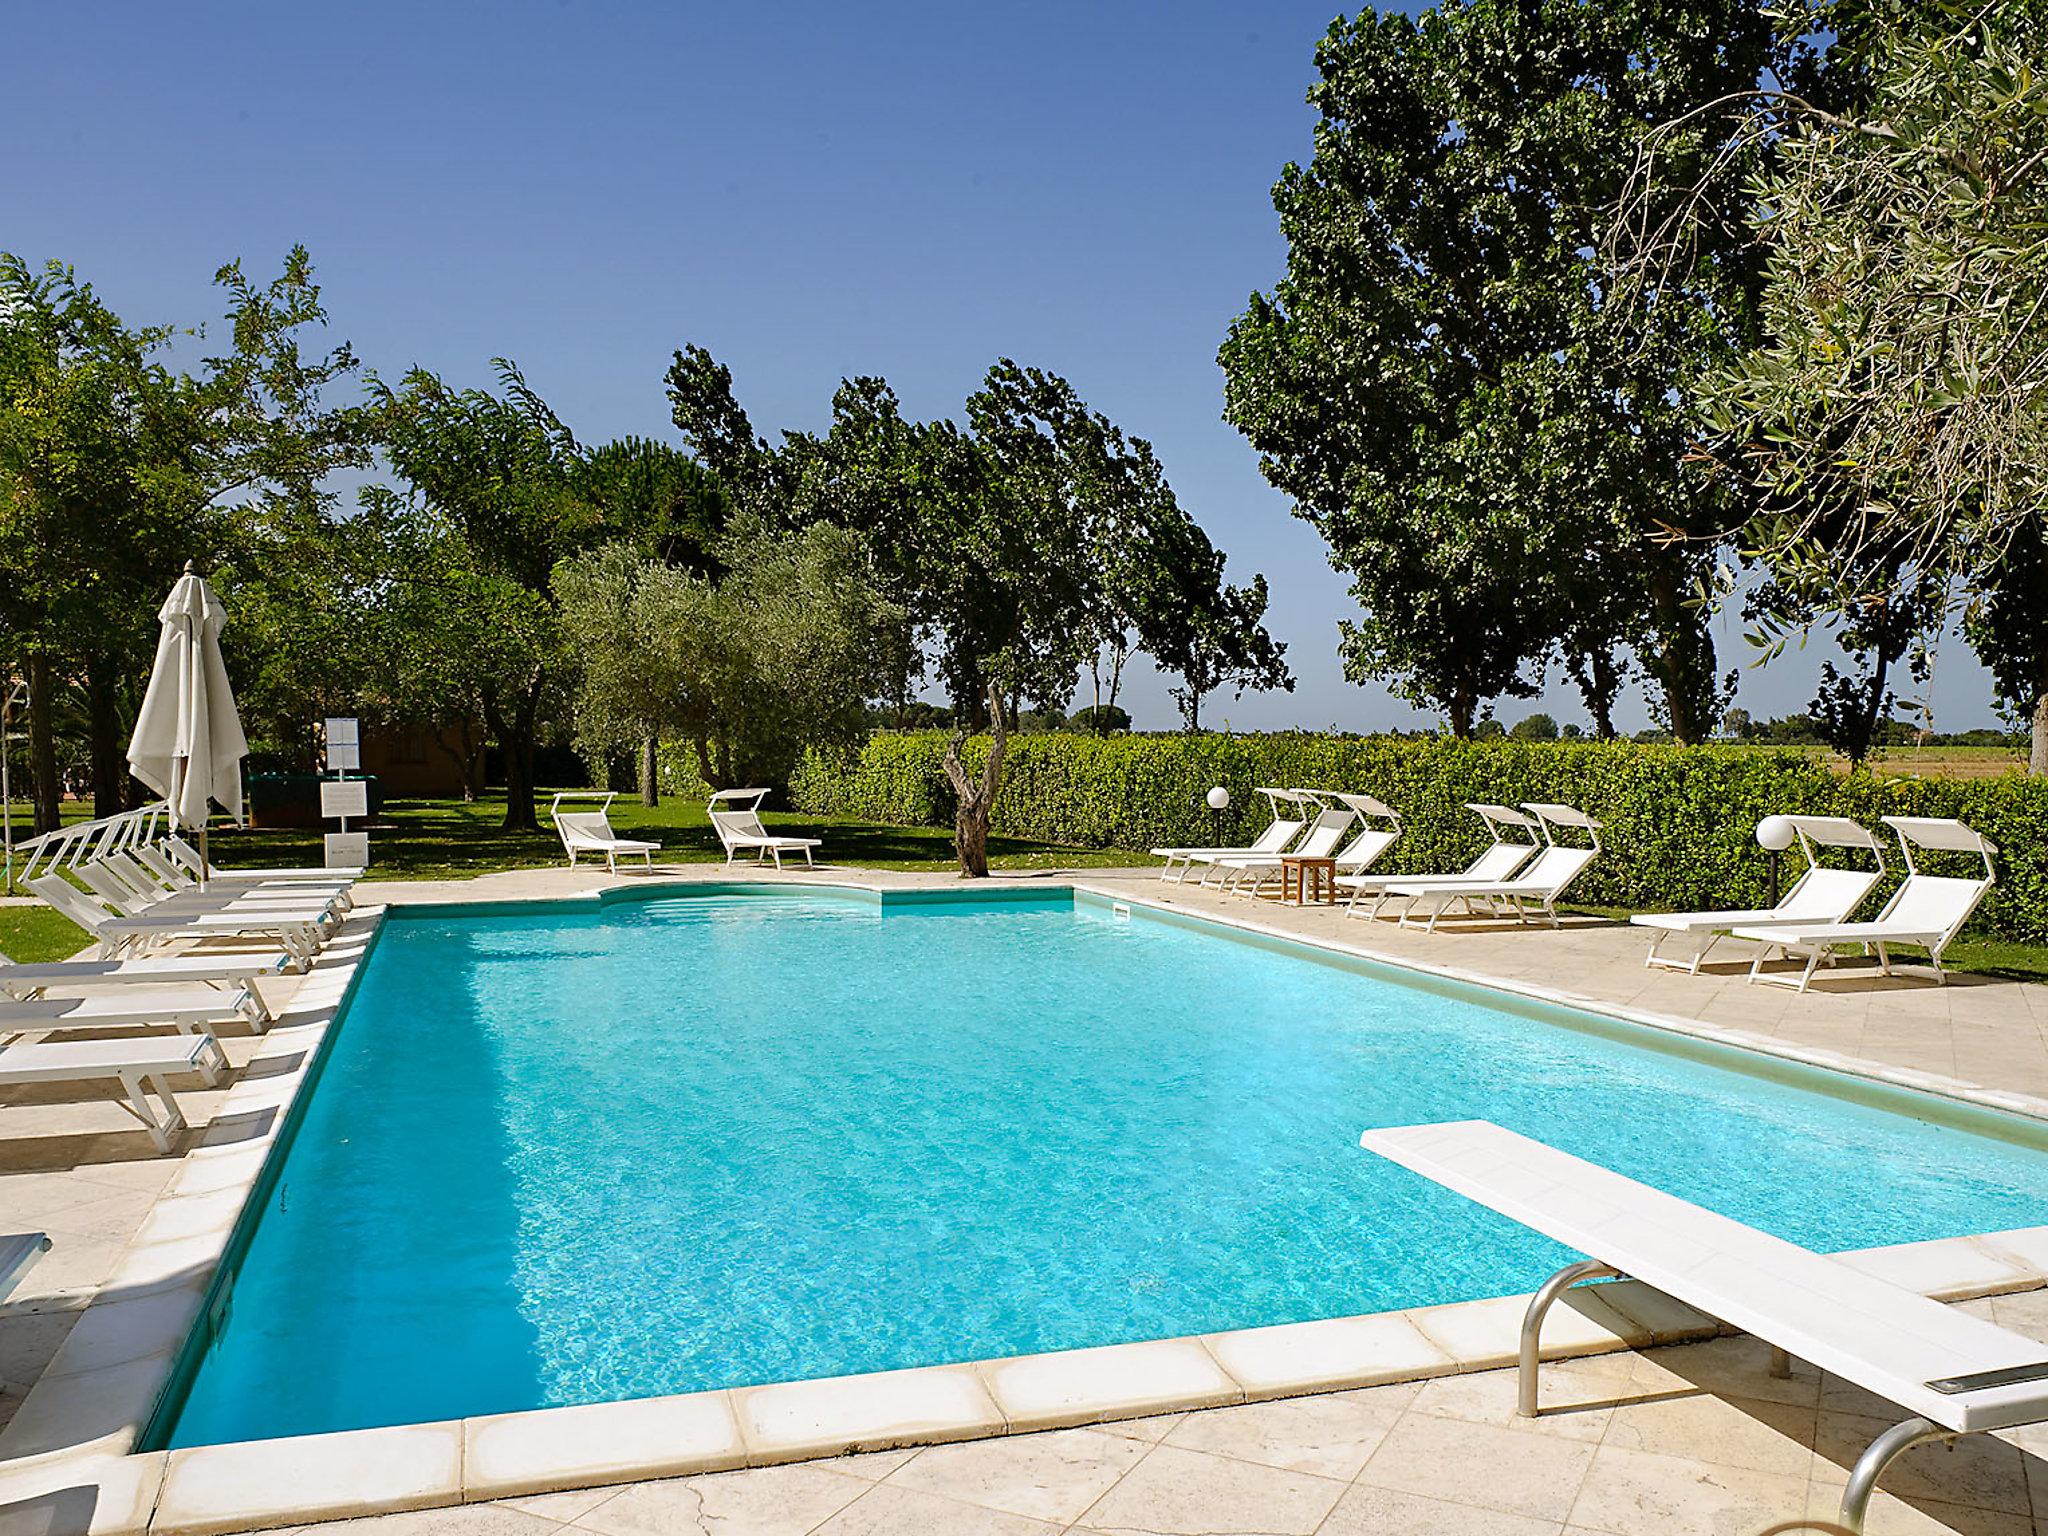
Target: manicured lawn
[29, 934]
[446, 839]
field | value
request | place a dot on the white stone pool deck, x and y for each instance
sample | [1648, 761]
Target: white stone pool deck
[1688, 1437]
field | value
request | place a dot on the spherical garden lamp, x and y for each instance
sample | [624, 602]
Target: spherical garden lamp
[1219, 802]
[1774, 835]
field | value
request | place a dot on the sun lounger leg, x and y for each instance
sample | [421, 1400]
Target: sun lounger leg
[1781, 1363]
[162, 1128]
[1871, 1464]
[1532, 1323]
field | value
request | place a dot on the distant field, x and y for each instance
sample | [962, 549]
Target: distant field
[1943, 762]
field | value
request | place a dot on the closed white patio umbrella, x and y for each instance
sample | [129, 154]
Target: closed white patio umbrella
[188, 742]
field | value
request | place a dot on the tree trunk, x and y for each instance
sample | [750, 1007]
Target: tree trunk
[109, 760]
[47, 788]
[974, 800]
[1599, 680]
[650, 774]
[2037, 752]
[1682, 659]
[515, 739]
[1458, 712]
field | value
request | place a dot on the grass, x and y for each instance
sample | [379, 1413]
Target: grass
[446, 839]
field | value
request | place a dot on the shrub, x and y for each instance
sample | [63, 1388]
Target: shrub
[1679, 830]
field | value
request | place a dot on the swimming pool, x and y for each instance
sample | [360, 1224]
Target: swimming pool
[563, 1154]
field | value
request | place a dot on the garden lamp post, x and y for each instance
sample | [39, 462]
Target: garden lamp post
[1774, 836]
[1219, 802]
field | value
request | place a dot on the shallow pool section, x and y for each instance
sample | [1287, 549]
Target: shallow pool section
[568, 1155]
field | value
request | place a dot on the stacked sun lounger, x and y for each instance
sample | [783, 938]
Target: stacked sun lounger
[1305, 823]
[235, 926]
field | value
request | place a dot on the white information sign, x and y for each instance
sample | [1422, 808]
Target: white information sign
[344, 744]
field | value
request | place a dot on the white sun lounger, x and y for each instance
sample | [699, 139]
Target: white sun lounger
[1364, 850]
[1925, 912]
[1953, 1373]
[140, 1066]
[1318, 842]
[135, 891]
[299, 934]
[188, 858]
[1532, 893]
[1823, 894]
[736, 817]
[1290, 815]
[173, 877]
[591, 832]
[18, 1250]
[64, 977]
[1516, 836]
[194, 1006]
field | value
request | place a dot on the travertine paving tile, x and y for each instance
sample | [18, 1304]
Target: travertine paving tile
[886, 1510]
[1751, 1433]
[1576, 1397]
[1537, 1475]
[1977, 1470]
[1367, 1511]
[762, 1501]
[1632, 1493]
[1173, 1492]
[1330, 1435]
[459, 1520]
[1052, 1476]
[1890, 1516]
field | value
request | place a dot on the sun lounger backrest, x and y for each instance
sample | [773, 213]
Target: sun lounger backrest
[67, 898]
[592, 828]
[1498, 862]
[1933, 903]
[1276, 836]
[1323, 835]
[1555, 868]
[1362, 850]
[744, 826]
[1825, 894]
[155, 861]
[111, 889]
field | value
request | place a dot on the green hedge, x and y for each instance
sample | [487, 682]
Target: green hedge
[1680, 821]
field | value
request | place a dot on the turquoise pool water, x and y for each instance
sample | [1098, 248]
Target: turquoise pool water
[566, 1156]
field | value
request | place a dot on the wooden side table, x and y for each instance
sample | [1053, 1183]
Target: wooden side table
[1307, 879]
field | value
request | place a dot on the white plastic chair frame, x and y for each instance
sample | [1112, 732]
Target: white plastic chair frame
[1929, 833]
[577, 836]
[1501, 822]
[739, 828]
[1809, 832]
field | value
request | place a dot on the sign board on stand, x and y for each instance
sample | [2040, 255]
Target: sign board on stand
[344, 738]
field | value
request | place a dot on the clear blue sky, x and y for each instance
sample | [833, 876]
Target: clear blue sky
[808, 190]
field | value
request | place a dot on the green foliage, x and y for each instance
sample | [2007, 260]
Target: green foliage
[1037, 538]
[116, 468]
[1679, 821]
[1895, 415]
[1488, 436]
[780, 652]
